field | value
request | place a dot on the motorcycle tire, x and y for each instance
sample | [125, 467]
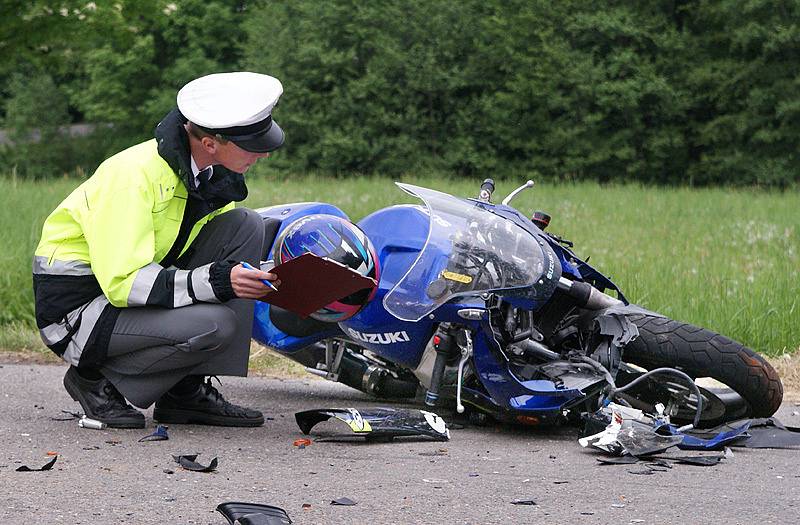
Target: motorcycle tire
[703, 353]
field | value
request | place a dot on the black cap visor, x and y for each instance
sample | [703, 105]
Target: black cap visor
[263, 142]
[261, 137]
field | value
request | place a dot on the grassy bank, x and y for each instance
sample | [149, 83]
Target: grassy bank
[725, 259]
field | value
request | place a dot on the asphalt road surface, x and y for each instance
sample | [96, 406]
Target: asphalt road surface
[108, 476]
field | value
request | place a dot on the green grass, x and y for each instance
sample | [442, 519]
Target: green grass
[725, 259]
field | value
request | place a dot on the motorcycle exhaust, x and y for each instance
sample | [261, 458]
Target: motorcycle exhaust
[373, 379]
[342, 366]
[586, 295]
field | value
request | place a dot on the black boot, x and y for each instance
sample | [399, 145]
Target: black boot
[101, 401]
[204, 406]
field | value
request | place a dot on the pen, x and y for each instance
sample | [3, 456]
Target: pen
[269, 284]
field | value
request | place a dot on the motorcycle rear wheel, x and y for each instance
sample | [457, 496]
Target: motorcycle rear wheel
[699, 352]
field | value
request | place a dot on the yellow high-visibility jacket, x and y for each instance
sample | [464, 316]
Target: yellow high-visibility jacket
[103, 247]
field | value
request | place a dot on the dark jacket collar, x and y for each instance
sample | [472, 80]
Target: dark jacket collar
[173, 146]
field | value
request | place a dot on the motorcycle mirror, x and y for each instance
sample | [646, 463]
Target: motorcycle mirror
[528, 184]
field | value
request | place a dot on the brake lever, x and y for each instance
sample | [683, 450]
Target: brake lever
[466, 353]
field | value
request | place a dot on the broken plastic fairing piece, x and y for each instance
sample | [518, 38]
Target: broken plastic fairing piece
[761, 433]
[713, 442]
[253, 514]
[187, 461]
[47, 466]
[607, 438]
[379, 423]
[640, 440]
[159, 434]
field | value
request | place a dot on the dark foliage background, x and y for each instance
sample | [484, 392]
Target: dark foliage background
[695, 92]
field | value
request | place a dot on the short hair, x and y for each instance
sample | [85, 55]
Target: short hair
[198, 133]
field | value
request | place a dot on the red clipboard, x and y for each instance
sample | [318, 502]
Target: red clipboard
[310, 282]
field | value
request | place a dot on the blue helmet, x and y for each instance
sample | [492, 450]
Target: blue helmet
[337, 239]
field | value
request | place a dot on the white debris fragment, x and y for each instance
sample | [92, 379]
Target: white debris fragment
[607, 439]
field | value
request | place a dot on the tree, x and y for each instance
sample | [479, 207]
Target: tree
[35, 114]
[120, 64]
[745, 76]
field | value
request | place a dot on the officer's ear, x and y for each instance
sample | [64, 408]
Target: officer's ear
[209, 144]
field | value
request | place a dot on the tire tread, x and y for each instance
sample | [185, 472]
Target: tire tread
[703, 353]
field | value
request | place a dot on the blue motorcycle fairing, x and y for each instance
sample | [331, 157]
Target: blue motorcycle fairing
[389, 337]
[401, 341]
[397, 233]
[521, 396]
[266, 333]
[470, 251]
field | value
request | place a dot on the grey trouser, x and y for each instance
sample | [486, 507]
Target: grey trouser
[152, 348]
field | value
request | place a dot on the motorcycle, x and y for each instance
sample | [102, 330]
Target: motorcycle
[480, 306]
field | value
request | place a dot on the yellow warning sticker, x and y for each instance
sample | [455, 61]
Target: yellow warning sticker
[458, 277]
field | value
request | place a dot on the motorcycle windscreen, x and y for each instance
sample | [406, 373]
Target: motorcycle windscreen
[469, 251]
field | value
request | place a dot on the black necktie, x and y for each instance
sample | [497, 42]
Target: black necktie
[203, 179]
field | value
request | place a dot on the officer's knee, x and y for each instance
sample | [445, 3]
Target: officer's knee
[249, 220]
[221, 330]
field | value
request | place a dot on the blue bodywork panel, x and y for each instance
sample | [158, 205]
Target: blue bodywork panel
[522, 396]
[268, 334]
[263, 330]
[398, 234]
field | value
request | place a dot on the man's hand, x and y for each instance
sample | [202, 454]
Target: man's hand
[247, 283]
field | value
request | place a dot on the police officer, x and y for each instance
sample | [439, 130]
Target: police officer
[137, 276]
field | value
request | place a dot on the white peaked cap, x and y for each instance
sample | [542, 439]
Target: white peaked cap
[237, 106]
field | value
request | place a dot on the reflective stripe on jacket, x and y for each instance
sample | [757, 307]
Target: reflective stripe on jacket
[102, 245]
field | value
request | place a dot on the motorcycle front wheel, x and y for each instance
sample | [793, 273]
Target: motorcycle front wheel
[701, 353]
